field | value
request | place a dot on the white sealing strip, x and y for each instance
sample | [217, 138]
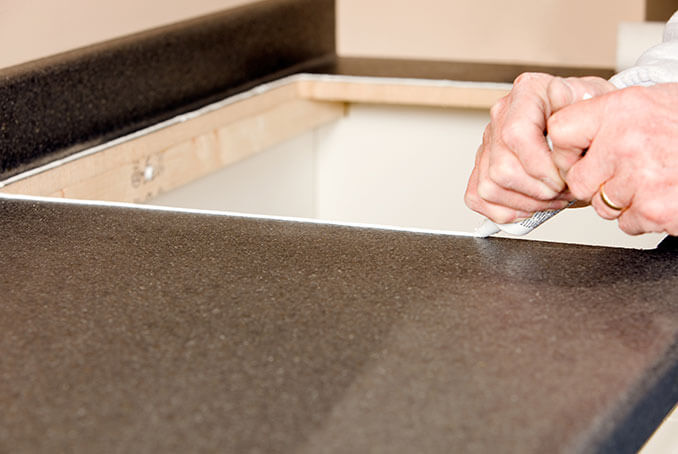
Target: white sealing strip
[136, 206]
[260, 89]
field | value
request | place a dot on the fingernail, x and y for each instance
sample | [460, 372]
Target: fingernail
[559, 204]
[548, 194]
[556, 186]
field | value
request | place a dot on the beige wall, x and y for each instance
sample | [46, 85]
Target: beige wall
[567, 32]
[571, 32]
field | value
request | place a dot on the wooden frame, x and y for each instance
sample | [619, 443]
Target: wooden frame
[141, 166]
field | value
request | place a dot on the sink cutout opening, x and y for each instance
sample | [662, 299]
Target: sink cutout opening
[387, 165]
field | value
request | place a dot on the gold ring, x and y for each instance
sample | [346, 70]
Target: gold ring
[606, 200]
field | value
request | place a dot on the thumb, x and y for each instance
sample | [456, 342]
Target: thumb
[562, 92]
[572, 129]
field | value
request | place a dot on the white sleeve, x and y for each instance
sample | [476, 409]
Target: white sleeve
[657, 65]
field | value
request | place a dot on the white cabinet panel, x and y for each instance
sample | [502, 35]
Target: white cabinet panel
[278, 181]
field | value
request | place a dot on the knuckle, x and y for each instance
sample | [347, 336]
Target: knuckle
[522, 79]
[602, 212]
[497, 109]
[512, 134]
[655, 213]
[502, 173]
[629, 225]
[487, 191]
[535, 169]
[595, 85]
[588, 80]
[528, 78]
[471, 200]
[559, 92]
[625, 226]
[562, 161]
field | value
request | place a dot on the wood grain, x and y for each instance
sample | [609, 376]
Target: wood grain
[433, 95]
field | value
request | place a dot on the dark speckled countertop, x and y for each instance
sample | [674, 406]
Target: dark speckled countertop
[129, 330]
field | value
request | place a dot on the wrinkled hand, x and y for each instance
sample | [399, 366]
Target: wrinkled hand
[631, 142]
[514, 174]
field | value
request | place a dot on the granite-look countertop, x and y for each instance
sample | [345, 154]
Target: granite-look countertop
[133, 330]
[126, 329]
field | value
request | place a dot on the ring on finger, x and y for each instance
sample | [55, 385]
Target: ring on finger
[606, 200]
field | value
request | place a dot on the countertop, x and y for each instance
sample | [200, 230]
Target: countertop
[127, 328]
[130, 329]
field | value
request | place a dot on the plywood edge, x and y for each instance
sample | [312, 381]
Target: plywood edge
[401, 93]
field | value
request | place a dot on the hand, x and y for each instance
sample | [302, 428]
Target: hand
[630, 139]
[514, 174]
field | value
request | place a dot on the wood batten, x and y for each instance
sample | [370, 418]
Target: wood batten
[401, 93]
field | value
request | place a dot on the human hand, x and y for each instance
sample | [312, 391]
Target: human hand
[629, 138]
[514, 175]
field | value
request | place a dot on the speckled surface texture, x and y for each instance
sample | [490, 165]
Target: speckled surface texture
[61, 104]
[124, 330]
